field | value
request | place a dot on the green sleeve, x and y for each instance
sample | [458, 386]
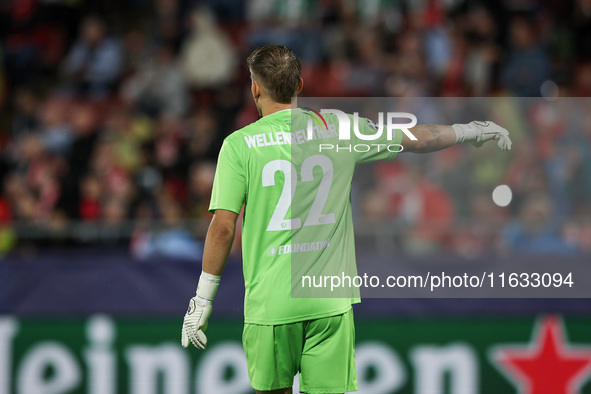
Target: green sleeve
[381, 148]
[229, 185]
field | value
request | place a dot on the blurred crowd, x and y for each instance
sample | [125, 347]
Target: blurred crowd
[446, 201]
[113, 113]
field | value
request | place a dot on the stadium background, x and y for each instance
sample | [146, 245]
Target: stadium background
[112, 116]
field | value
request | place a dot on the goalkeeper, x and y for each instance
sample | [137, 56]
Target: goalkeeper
[283, 335]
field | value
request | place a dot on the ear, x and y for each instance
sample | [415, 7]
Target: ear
[256, 90]
[301, 86]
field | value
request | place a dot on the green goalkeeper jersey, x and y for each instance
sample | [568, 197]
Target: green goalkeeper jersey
[297, 210]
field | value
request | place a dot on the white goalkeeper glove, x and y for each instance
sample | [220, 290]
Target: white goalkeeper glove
[195, 322]
[478, 132]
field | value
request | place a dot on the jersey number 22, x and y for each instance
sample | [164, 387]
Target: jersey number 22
[315, 216]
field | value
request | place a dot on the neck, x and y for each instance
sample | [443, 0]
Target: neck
[269, 107]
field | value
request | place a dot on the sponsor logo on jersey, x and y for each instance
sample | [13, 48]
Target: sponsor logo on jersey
[298, 247]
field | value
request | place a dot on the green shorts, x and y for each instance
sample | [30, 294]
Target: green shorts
[322, 350]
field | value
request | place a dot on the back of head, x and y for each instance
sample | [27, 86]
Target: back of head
[277, 69]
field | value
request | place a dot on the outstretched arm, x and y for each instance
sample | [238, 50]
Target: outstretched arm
[431, 138]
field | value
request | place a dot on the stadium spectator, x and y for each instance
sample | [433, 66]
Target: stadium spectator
[171, 240]
[580, 186]
[535, 231]
[203, 137]
[22, 39]
[527, 65]
[114, 227]
[577, 234]
[94, 64]
[84, 125]
[207, 55]
[170, 24]
[158, 86]
[26, 116]
[483, 52]
[200, 183]
[479, 234]
[56, 132]
[423, 208]
[90, 199]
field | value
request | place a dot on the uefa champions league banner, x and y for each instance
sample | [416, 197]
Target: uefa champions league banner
[106, 355]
